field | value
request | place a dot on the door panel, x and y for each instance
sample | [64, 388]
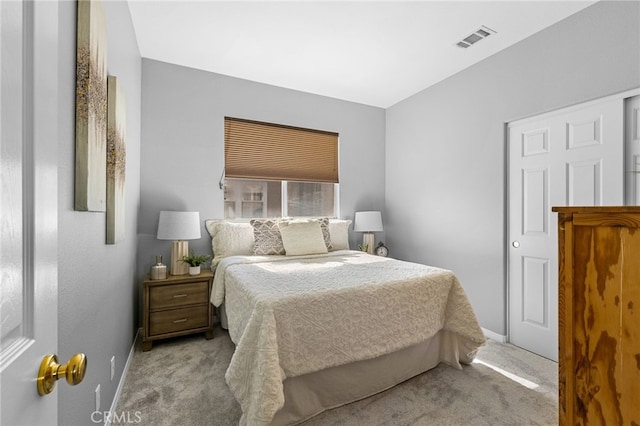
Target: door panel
[569, 157]
[28, 172]
[535, 196]
[535, 283]
[13, 303]
[535, 142]
[584, 183]
[584, 133]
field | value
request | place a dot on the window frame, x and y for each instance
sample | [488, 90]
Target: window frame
[284, 204]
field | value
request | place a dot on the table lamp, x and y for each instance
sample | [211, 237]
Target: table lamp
[179, 227]
[368, 222]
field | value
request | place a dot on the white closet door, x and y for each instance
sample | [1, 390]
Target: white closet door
[571, 157]
[632, 137]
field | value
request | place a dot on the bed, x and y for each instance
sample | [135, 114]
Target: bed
[315, 329]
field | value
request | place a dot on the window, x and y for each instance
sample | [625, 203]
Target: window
[274, 170]
[246, 198]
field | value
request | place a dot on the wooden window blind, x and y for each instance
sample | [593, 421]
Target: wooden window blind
[257, 150]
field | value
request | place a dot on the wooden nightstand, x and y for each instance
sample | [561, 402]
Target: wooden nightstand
[177, 306]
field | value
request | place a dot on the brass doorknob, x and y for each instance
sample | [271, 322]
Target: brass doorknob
[50, 371]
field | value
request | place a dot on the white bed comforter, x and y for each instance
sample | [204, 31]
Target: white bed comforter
[295, 315]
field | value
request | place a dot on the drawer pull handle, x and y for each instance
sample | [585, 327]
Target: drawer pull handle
[180, 320]
[175, 296]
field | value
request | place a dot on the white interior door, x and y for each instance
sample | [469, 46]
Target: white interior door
[28, 207]
[632, 153]
[571, 157]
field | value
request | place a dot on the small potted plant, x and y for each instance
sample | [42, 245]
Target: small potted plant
[194, 262]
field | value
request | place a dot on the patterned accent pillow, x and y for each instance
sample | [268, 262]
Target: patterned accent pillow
[326, 234]
[266, 236]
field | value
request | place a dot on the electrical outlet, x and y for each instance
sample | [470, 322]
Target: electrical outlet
[113, 367]
[98, 398]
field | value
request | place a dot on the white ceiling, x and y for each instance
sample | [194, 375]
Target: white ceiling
[371, 52]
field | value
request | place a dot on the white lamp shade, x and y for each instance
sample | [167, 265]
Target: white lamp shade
[179, 225]
[367, 222]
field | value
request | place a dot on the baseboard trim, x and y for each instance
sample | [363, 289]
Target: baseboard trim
[494, 336]
[125, 371]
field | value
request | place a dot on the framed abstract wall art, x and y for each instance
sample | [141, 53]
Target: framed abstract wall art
[116, 160]
[91, 107]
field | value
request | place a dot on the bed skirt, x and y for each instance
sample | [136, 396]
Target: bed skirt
[310, 394]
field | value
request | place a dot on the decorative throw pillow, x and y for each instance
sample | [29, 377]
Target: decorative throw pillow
[230, 238]
[301, 237]
[324, 226]
[339, 231]
[267, 238]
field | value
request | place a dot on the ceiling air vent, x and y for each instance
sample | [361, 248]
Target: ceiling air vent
[481, 33]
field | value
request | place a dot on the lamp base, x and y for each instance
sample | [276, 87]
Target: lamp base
[368, 241]
[179, 249]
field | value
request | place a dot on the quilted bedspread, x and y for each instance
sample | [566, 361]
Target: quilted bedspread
[290, 316]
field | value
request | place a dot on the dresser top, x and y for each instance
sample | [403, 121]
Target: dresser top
[597, 209]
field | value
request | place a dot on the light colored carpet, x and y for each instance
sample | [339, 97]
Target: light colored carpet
[181, 382]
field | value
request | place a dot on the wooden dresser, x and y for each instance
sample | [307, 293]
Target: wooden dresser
[599, 315]
[177, 306]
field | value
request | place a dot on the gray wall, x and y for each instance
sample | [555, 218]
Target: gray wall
[97, 282]
[182, 150]
[445, 146]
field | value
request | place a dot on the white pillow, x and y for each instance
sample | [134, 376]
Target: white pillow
[302, 237]
[339, 231]
[230, 238]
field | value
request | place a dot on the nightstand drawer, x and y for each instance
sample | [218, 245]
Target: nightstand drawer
[179, 319]
[169, 296]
